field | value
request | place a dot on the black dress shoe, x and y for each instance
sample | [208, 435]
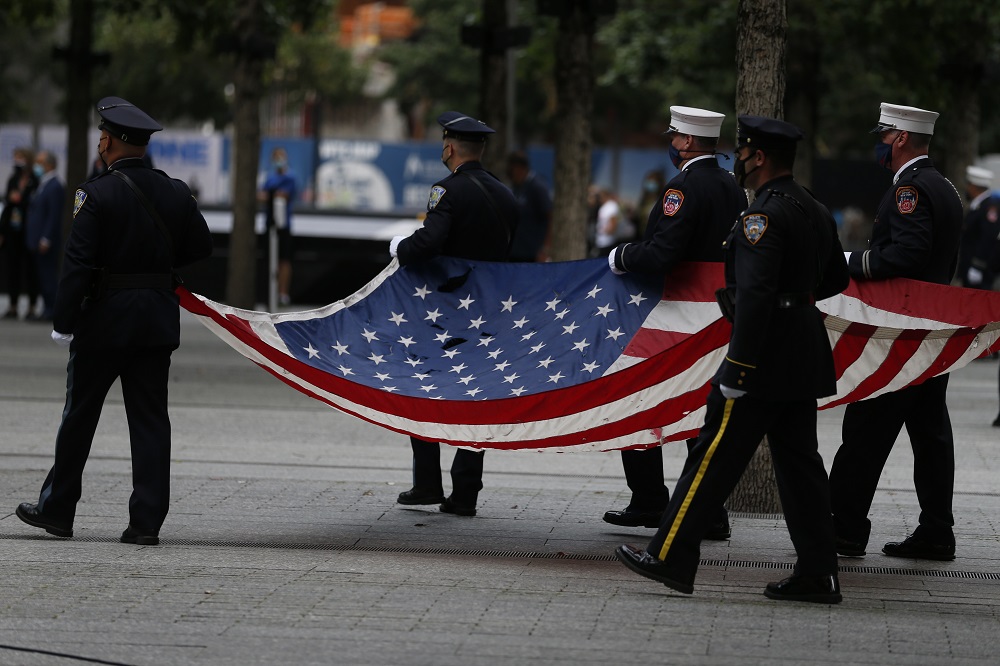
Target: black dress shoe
[457, 508]
[415, 496]
[996, 422]
[847, 548]
[646, 565]
[633, 518]
[720, 531]
[920, 549]
[30, 514]
[131, 535]
[817, 589]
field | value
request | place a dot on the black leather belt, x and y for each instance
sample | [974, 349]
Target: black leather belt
[140, 281]
[795, 300]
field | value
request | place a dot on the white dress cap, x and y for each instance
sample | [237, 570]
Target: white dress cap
[908, 118]
[697, 122]
[979, 176]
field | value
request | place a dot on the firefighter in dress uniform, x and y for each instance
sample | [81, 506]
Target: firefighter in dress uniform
[916, 235]
[689, 222]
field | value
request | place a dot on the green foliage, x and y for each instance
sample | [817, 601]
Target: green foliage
[312, 60]
[27, 35]
[149, 69]
[656, 54]
[433, 68]
[843, 58]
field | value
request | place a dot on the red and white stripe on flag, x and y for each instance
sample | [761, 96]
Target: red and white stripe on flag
[885, 336]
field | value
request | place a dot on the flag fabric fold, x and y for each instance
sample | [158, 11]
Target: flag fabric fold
[568, 356]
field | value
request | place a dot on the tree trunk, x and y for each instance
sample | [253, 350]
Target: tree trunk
[760, 90]
[573, 141]
[493, 84]
[760, 58]
[241, 273]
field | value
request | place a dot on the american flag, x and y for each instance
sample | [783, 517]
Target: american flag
[569, 356]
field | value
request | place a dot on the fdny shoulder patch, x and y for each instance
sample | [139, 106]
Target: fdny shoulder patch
[906, 200]
[754, 227]
[435, 198]
[672, 202]
[991, 214]
[78, 200]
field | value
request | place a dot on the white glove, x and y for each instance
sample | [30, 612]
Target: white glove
[394, 245]
[611, 263]
[974, 276]
[62, 339]
[847, 256]
[731, 393]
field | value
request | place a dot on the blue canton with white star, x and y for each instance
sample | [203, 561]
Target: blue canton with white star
[456, 329]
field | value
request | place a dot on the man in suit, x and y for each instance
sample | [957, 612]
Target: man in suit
[117, 311]
[470, 214]
[689, 222]
[44, 230]
[783, 254]
[916, 235]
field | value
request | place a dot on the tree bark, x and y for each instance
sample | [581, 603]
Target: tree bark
[573, 140]
[249, 89]
[760, 90]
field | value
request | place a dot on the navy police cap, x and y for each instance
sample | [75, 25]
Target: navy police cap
[463, 127]
[763, 132]
[125, 121]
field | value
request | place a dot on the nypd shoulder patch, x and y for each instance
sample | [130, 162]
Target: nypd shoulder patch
[906, 200]
[435, 198]
[754, 227]
[78, 200]
[672, 202]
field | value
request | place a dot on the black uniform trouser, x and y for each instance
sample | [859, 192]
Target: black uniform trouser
[733, 429]
[47, 267]
[869, 432]
[644, 476]
[466, 471]
[90, 374]
[20, 270]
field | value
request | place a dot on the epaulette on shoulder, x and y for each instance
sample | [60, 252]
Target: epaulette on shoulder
[785, 196]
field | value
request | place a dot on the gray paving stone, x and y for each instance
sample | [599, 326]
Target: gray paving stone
[284, 545]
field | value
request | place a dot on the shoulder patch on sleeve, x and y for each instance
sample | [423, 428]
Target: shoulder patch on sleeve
[435, 198]
[78, 200]
[754, 226]
[672, 202]
[906, 199]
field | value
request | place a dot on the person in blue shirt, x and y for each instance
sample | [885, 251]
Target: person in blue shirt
[277, 194]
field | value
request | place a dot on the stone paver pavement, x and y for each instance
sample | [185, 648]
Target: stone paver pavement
[284, 545]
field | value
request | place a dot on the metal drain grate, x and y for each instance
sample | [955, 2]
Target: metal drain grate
[519, 554]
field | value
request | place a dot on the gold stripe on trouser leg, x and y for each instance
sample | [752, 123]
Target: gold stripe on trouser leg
[697, 480]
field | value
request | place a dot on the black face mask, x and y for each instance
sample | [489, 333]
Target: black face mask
[739, 169]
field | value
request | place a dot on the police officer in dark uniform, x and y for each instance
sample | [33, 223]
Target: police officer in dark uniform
[782, 255]
[117, 311]
[689, 223]
[472, 215]
[916, 235]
